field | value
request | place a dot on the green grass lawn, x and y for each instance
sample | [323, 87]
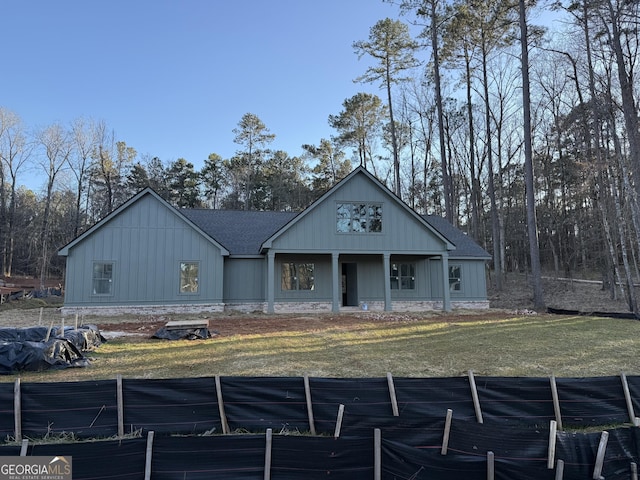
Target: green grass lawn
[534, 346]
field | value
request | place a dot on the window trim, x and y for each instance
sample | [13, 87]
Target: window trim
[399, 277]
[180, 277]
[111, 282]
[368, 206]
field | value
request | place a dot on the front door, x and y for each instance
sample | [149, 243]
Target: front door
[349, 284]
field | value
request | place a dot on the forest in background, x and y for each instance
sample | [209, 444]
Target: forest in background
[448, 134]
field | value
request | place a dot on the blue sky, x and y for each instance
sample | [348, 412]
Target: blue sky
[173, 78]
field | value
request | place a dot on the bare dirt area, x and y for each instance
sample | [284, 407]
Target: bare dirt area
[566, 294]
[515, 298]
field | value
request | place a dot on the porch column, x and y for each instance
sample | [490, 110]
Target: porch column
[271, 272]
[446, 297]
[386, 275]
[335, 283]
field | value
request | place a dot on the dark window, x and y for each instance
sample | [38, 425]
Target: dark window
[359, 218]
[455, 278]
[403, 276]
[297, 276]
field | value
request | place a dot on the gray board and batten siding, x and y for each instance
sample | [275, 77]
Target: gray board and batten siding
[145, 240]
[241, 257]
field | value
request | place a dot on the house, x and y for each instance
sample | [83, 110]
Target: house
[356, 247]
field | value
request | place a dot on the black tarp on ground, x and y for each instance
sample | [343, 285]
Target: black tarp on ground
[516, 400]
[178, 405]
[230, 457]
[25, 349]
[309, 458]
[165, 333]
[85, 338]
[107, 460]
[592, 401]
[37, 356]
[31, 334]
[258, 403]
[431, 397]
[86, 409]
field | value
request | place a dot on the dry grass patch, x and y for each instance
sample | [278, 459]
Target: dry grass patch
[567, 346]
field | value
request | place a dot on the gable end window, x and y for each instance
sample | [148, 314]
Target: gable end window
[455, 278]
[403, 276]
[102, 278]
[189, 277]
[359, 217]
[297, 276]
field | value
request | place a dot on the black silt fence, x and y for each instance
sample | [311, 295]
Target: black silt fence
[215, 405]
[432, 397]
[475, 451]
[171, 406]
[86, 409]
[258, 403]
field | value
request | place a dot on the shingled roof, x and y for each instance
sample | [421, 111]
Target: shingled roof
[243, 232]
[465, 245]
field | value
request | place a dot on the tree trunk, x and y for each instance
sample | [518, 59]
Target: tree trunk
[446, 181]
[495, 227]
[534, 249]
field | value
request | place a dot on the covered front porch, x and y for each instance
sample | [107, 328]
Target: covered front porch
[353, 281]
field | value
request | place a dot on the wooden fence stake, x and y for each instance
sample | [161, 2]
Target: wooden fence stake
[17, 410]
[40, 316]
[23, 447]
[392, 394]
[377, 454]
[223, 415]
[634, 471]
[46, 339]
[627, 397]
[336, 434]
[120, 402]
[267, 453]
[560, 470]
[76, 321]
[307, 394]
[553, 427]
[556, 401]
[447, 431]
[491, 468]
[148, 456]
[474, 394]
[602, 447]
